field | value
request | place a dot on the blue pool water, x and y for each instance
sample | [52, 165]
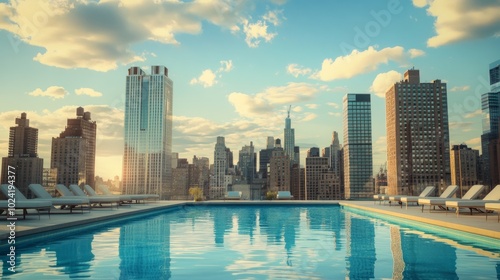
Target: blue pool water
[255, 242]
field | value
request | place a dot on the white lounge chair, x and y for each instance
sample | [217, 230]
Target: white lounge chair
[21, 202]
[64, 191]
[90, 192]
[493, 206]
[428, 191]
[472, 193]
[233, 195]
[448, 193]
[40, 192]
[94, 199]
[492, 196]
[137, 197]
[284, 195]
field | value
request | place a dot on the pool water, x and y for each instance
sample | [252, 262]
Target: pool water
[254, 242]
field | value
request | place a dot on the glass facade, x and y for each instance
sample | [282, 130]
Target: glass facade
[148, 132]
[358, 161]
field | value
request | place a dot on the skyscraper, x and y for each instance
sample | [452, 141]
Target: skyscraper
[148, 132]
[289, 138]
[320, 182]
[23, 157]
[247, 163]
[73, 152]
[358, 162]
[279, 170]
[418, 145]
[463, 164]
[334, 154]
[490, 106]
[217, 182]
[265, 156]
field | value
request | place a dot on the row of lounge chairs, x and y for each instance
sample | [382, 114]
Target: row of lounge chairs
[70, 198]
[237, 195]
[491, 202]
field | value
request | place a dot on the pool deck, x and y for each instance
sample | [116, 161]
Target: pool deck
[476, 223]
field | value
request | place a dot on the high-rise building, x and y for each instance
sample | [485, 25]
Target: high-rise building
[334, 154]
[217, 182]
[358, 167]
[23, 157]
[296, 155]
[418, 145]
[247, 163]
[463, 164]
[320, 182]
[279, 170]
[289, 134]
[148, 132]
[73, 152]
[202, 173]
[265, 157]
[296, 189]
[490, 106]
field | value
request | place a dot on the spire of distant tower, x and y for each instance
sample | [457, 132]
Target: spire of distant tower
[290, 107]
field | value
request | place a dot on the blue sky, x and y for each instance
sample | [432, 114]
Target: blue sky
[238, 65]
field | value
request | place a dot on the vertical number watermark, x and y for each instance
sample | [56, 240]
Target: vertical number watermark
[11, 218]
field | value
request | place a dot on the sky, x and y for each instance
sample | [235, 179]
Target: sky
[238, 65]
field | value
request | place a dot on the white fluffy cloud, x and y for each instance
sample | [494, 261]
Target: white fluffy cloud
[262, 105]
[100, 35]
[312, 106]
[297, 70]
[255, 32]
[384, 81]
[333, 104]
[88, 91]
[54, 92]
[461, 20]
[359, 62]
[208, 77]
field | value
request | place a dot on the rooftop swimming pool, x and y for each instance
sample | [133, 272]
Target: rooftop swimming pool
[256, 242]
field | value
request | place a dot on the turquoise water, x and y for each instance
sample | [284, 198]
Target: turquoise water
[255, 242]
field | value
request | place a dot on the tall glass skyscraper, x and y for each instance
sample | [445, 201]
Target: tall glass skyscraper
[490, 107]
[289, 139]
[358, 162]
[148, 132]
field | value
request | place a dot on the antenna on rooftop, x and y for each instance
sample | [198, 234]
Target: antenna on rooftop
[290, 107]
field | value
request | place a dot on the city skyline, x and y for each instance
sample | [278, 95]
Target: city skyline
[263, 57]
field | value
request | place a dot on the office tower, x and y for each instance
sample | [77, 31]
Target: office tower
[73, 152]
[334, 154]
[247, 163]
[289, 138]
[463, 164]
[295, 187]
[279, 170]
[270, 142]
[325, 152]
[265, 157]
[313, 152]
[147, 165]
[229, 158]
[174, 159]
[296, 155]
[320, 182]
[22, 157]
[490, 106]
[180, 180]
[358, 167]
[418, 145]
[201, 176]
[217, 182]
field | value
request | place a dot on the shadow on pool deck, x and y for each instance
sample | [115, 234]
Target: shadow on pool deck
[475, 223]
